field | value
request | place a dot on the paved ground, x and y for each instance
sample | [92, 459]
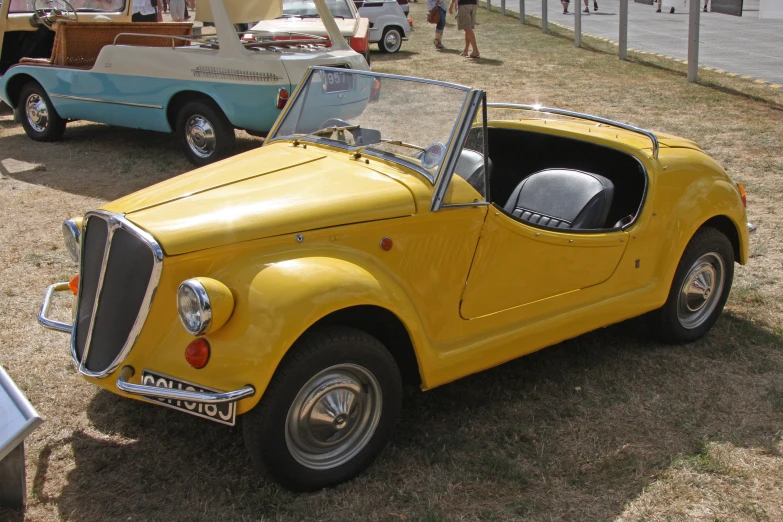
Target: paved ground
[745, 45]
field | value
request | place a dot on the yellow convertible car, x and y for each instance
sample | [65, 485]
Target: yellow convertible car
[390, 229]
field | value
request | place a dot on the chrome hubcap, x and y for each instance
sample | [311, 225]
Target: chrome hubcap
[701, 291]
[392, 40]
[333, 417]
[37, 113]
[200, 136]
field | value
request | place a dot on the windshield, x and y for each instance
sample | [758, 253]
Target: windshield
[306, 9]
[406, 120]
[87, 6]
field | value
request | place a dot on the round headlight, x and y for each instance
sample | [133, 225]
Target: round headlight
[72, 237]
[195, 310]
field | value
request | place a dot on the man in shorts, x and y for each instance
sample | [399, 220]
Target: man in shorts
[466, 21]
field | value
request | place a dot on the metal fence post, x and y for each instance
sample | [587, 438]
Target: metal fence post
[522, 12]
[624, 29]
[489, 5]
[577, 25]
[544, 18]
[693, 42]
[502, 7]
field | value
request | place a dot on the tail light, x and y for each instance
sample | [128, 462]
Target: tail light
[282, 98]
[359, 44]
[375, 94]
[744, 196]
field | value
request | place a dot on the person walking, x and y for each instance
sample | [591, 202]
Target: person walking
[565, 4]
[441, 6]
[705, 5]
[143, 11]
[177, 8]
[466, 21]
[587, 6]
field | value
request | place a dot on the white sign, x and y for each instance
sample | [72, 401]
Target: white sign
[771, 9]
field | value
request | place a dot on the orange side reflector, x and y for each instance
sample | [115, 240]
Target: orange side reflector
[74, 284]
[743, 195]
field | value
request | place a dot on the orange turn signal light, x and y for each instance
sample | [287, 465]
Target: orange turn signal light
[387, 243]
[73, 285]
[197, 353]
[743, 195]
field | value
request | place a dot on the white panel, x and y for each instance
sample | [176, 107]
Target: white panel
[771, 9]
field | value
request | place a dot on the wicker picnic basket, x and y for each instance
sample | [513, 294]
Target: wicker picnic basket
[77, 44]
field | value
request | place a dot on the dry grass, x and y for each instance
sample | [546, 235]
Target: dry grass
[607, 426]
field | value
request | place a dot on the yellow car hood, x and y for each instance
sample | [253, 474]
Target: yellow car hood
[271, 191]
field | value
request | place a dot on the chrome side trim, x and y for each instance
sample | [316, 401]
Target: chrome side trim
[178, 395]
[115, 221]
[457, 142]
[752, 228]
[127, 104]
[473, 204]
[597, 119]
[47, 302]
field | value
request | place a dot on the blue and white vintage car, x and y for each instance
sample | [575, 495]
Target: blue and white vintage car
[160, 77]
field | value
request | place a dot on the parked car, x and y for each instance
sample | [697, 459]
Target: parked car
[403, 4]
[301, 17]
[26, 26]
[166, 80]
[389, 23]
[390, 229]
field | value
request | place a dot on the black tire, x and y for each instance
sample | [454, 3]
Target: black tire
[387, 44]
[213, 136]
[268, 427]
[682, 319]
[39, 117]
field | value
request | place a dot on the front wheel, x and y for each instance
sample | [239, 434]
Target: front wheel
[699, 291]
[39, 118]
[204, 132]
[391, 41]
[328, 411]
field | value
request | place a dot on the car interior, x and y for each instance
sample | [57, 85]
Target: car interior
[555, 182]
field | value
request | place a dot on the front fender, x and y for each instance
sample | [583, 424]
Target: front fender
[285, 299]
[703, 193]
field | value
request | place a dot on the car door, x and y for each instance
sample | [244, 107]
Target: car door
[518, 265]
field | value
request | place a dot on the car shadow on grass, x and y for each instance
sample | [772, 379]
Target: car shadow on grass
[101, 161]
[576, 431]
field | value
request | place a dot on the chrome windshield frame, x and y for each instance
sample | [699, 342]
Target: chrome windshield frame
[581, 116]
[459, 121]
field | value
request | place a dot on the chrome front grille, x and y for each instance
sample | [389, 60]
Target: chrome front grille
[119, 273]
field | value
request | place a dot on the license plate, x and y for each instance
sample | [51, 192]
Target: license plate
[337, 81]
[224, 413]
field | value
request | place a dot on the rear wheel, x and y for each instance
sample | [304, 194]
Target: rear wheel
[700, 289]
[204, 132]
[391, 41]
[328, 411]
[39, 117]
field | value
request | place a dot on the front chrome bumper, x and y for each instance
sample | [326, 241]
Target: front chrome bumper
[127, 372]
[156, 392]
[47, 302]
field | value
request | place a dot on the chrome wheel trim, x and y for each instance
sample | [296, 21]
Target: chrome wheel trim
[200, 135]
[333, 416]
[701, 290]
[392, 40]
[37, 112]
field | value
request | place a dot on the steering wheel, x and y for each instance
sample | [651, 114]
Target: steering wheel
[49, 12]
